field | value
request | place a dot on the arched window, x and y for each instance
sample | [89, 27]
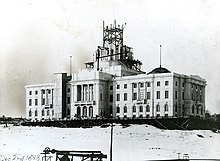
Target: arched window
[158, 108]
[30, 113]
[166, 107]
[78, 111]
[84, 111]
[36, 113]
[125, 109]
[43, 113]
[118, 109]
[134, 109]
[141, 109]
[48, 112]
[90, 111]
[147, 108]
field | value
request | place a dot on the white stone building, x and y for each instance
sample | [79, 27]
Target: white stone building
[113, 85]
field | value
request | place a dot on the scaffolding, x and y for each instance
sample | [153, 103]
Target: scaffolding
[113, 48]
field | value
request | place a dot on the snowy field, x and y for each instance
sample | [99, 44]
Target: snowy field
[134, 143]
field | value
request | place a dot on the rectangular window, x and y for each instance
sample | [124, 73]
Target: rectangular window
[176, 95]
[118, 97]
[30, 92]
[183, 95]
[166, 83]
[111, 98]
[111, 87]
[125, 86]
[68, 90]
[134, 85]
[118, 86]
[166, 94]
[158, 94]
[192, 96]
[158, 83]
[43, 101]
[125, 96]
[36, 102]
[176, 83]
[148, 95]
[100, 96]
[36, 92]
[183, 84]
[141, 85]
[30, 102]
[134, 96]
[148, 84]
[68, 100]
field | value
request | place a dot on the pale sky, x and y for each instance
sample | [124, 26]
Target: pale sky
[37, 38]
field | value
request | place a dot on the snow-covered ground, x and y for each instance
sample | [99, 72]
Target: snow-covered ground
[134, 143]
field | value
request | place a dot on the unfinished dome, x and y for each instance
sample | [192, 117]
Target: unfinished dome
[159, 70]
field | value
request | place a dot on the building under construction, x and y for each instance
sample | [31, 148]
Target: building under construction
[113, 85]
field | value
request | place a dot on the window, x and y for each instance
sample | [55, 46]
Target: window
[118, 86]
[125, 96]
[52, 112]
[30, 92]
[36, 113]
[134, 85]
[43, 91]
[48, 112]
[125, 109]
[183, 84]
[68, 90]
[158, 108]
[49, 91]
[158, 83]
[43, 113]
[192, 96]
[141, 85]
[147, 108]
[166, 83]
[125, 86]
[141, 109]
[118, 109]
[175, 108]
[36, 92]
[183, 95]
[201, 110]
[148, 84]
[176, 96]
[134, 96]
[36, 102]
[166, 94]
[158, 94]
[30, 102]
[166, 107]
[90, 111]
[134, 108]
[30, 113]
[193, 109]
[176, 83]
[111, 87]
[68, 100]
[43, 101]
[84, 111]
[100, 96]
[118, 97]
[111, 98]
[148, 95]
[197, 110]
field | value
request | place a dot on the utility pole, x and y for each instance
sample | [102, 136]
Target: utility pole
[111, 142]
